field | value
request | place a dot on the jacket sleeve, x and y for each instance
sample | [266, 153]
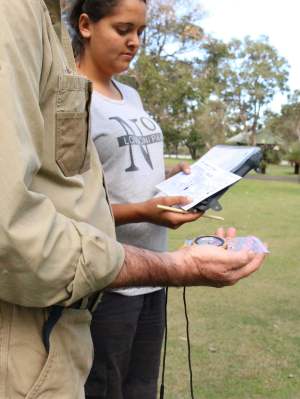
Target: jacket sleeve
[45, 257]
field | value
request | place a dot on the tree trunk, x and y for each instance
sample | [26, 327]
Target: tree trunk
[296, 168]
[176, 150]
[192, 152]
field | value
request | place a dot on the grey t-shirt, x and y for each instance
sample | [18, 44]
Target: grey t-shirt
[130, 146]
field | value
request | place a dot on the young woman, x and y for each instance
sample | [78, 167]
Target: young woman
[128, 325]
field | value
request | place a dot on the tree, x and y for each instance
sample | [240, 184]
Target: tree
[177, 92]
[167, 90]
[194, 142]
[173, 27]
[252, 75]
[286, 124]
[164, 78]
[294, 157]
[208, 128]
[181, 87]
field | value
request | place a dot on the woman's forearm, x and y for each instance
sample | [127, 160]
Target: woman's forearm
[127, 213]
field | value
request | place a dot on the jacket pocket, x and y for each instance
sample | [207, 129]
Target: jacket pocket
[22, 354]
[69, 360]
[72, 141]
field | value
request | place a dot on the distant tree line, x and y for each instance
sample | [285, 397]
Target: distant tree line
[202, 90]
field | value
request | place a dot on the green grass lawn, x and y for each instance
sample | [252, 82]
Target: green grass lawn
[245, 339]
[280, 170]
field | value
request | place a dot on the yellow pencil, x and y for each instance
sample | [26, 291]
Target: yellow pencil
[213, 217]
[178, 210]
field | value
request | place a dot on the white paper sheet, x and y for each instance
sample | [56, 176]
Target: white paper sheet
[205, 180]
[229, 157]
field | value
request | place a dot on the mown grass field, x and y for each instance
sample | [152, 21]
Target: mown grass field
[245, 339]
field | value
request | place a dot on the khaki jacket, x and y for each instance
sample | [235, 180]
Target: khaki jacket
[57, 238]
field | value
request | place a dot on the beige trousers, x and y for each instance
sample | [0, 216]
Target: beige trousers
[27, 371]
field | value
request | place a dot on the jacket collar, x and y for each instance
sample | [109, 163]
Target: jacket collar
[61, 31]
[55, 14]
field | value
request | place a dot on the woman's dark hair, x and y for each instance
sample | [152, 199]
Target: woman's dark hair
[96, 10]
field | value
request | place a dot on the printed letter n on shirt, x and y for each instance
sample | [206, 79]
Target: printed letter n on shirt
[134, 137]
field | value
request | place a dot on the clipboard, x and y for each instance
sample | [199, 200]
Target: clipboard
[212, 175]
[236, 159]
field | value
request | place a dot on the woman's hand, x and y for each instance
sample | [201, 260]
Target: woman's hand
[166, 218]
[149, 212]
[180, 167]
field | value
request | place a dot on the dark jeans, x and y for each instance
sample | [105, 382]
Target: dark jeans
[127, 334]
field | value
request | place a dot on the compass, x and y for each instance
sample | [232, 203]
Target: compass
[210, 240]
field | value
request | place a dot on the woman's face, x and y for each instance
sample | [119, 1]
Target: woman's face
[112, 42]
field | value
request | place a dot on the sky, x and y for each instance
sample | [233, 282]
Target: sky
[277, 19]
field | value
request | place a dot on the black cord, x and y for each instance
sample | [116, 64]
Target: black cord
[188, 342]
[162, 386]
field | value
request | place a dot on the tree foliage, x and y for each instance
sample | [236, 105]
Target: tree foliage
[286, 124]
[253, 73]
[201, 89]
[173, 27]
[294, 156]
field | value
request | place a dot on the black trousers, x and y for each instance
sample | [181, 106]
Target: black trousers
[127, 333]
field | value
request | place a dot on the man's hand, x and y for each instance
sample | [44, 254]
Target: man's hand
[213, 266]
[230, 233]
[194, 265]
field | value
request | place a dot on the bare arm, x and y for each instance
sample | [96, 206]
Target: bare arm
[190, 266]
[148, 212]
